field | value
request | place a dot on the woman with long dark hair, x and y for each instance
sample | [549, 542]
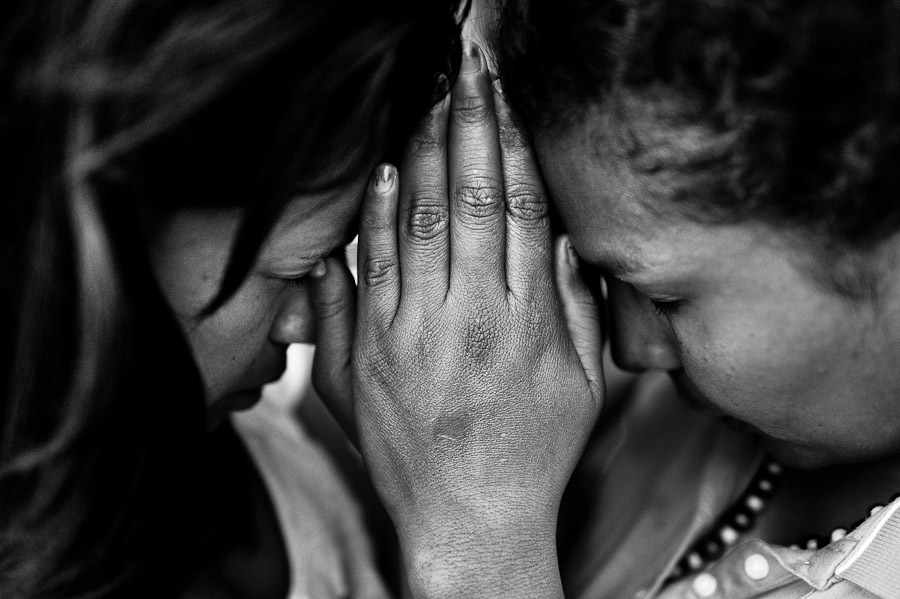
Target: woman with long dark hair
[171, 173]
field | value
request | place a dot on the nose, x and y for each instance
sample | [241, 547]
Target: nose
[295, 321]
[640, 338]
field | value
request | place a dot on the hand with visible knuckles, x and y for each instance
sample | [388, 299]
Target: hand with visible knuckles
[472, 374]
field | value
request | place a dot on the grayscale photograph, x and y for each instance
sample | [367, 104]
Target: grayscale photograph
[450, 299]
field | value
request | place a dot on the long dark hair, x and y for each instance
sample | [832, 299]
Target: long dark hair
[111, 109]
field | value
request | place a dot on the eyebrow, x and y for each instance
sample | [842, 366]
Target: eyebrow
[291, 261]
[615, 264]
[313, 257]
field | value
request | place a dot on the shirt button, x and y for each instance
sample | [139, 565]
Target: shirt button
[756, 566]
[705, 585]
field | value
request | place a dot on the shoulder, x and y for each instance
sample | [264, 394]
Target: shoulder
[653, 474]
[330, 547]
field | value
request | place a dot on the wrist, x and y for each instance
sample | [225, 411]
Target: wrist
[482, 556]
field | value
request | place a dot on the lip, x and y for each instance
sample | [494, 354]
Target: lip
[247, 397]
[254, 389]
[250, 392]
[272, 378]
[257, 383]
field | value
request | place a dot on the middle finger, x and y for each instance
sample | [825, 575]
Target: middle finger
[477, 211]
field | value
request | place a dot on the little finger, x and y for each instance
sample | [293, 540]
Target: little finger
[583, 316]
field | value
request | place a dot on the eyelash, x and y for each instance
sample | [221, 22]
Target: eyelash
[296, 281]
[665, 309]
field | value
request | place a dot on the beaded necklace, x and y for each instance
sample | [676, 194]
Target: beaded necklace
[741, 517]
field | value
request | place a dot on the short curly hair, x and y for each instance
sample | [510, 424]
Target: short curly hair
[797, 101]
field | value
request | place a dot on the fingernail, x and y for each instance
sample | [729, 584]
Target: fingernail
[570, 254]
[471, 62]
[384, 178]
[319, 270]
[500, 100]
[443, 85]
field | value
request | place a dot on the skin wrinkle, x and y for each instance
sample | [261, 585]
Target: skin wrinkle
[427, 218]
[470, 109]
[428, 141]
[525, 204]
[378, 272]
[521, 295]
[479, 333]
[479, 198]
[531, 320]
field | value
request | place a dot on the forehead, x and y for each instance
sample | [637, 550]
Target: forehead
[194, 245]
[614, 216]
[314, 223]
[597, 197]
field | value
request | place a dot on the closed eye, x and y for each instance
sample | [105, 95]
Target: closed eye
[665, 308]
[296, 281]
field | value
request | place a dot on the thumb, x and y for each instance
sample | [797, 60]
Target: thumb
[582, 313]
[334, 302]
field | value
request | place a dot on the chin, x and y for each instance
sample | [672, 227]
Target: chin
[798, 456]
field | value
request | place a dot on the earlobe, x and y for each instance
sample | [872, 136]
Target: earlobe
[640, 338]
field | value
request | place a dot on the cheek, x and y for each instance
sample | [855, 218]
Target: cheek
[766, 368]
[229, 344]
[729, 362]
